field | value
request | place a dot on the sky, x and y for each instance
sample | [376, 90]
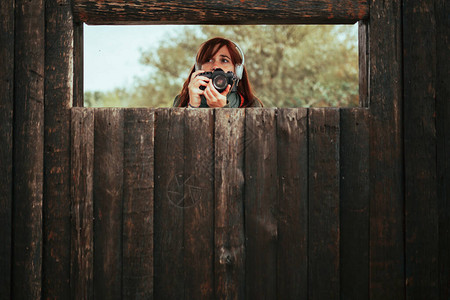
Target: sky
[111, 53]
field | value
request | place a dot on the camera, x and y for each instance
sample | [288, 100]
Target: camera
[220, 79]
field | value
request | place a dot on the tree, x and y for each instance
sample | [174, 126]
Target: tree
[119, 97]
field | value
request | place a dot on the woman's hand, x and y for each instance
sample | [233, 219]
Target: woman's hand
[194, 87]
[214, 98]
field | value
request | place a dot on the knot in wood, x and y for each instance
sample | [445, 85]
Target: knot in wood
[225, 257]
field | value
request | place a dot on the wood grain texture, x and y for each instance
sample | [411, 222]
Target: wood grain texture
[82, 203]
[363, 61]
[78, 69]
[29, 54]
[421, 217]
[108, 202]
[220, 12]
[442, 9]
[292, 251]
[138, 204]
[169, 204]
[199, 203]
[261, 209]
[6, 136]
[387, 278]
[354, 203]
[323, 206]
[58, 100]
[229, 266]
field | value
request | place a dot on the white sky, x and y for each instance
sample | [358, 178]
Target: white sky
[111, 53]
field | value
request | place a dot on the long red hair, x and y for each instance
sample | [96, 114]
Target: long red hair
[208, 50]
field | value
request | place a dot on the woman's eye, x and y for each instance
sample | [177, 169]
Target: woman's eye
[224, 60]
[210, 60]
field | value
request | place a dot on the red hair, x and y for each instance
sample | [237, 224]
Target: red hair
[207, 51]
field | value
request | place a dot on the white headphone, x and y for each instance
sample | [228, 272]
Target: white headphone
[239, 68]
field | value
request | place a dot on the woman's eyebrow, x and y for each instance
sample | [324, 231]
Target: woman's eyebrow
[226, 56]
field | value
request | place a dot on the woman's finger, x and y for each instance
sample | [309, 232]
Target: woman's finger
[196, 82]
[196, 73]
[213, 97]
[227, 90]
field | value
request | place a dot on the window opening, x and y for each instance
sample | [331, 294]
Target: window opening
[288, 65]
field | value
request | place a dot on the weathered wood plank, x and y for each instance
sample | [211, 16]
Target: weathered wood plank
[29, 51]
[82, 203]
[108, 205]
[229, 204]
[169, 196]
[198, 206]
[6, 136]
[292, 256]
[421, 217]
[354, 203]
[363, 57]
[261, 188]
[323, 249]
[220, 12]
[58, 100]
[78, 69]
[138, 204]
[387, 278]
[443, 141]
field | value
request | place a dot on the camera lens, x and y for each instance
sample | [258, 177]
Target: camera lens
[220, 83]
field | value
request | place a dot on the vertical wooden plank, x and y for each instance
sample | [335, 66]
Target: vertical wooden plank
[229, 237]
[443, 142]
[78, 60]
[28, 148]
[58, 100]
[292, 256]
[354, 203]
[138, 204]
[108, 205]
[363, 56]
[169, 203]
[261, 188]
[6, 136]
[82, 203]
[387, 278]
[199, 203]
[323, 250]
[421, 217]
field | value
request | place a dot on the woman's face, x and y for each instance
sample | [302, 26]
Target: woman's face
[222, 60]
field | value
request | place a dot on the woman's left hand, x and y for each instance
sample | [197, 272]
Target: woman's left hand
[213, 97]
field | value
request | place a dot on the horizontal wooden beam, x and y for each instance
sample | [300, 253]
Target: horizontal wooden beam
[110, 12]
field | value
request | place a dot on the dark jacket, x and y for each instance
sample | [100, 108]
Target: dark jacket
[233, 101]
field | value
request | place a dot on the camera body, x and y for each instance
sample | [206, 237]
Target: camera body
[220, 79]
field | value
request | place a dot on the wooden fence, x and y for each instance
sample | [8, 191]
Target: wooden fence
[217, 209]
[232, 204]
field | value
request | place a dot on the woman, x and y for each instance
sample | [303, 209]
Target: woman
[199, 91]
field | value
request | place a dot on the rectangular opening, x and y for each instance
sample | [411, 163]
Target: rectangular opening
[288, 65]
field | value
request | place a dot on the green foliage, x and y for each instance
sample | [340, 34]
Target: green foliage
[118, 97]
[288, 65]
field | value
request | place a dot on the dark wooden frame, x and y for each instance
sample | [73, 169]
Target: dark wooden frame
[237, 12]
[290, 12]
[220, 12]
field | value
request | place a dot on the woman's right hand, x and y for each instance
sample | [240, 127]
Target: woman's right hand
[194, 87]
